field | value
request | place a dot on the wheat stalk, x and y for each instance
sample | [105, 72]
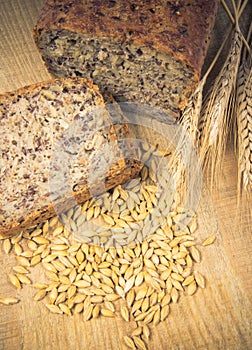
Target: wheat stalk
[190, 115]
[238, 12]
[244, 123]
[189, 120]
[217, 106]
[213, 120]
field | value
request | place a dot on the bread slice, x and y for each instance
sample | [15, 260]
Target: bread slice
[57, 141]
[148, 52]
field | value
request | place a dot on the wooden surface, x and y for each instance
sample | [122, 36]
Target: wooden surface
[218, 317]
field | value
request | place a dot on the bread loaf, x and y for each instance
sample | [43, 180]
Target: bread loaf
[149, 51]
[39, 124]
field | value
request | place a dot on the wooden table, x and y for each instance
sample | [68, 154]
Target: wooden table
[218, 317]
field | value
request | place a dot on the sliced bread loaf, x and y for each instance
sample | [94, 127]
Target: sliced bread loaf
[57, 141]
[149, 51]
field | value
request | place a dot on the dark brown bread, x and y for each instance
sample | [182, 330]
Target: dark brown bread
[150, 51]
[33, 120]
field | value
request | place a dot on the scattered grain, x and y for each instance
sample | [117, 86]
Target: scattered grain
[129, 342]
[23, 278]
[88, 278]
[20, 269]
[54, 309]
[138, 331]
[7, 245]
[107, 313]
[209, 240]
[125, 313]
[40, 295]
[65, 309]
[139, 343]
[96, 311]
[195, 254]
[39, 286]
[156, 318]
[191, 289]
[9, 301]
[200, 280]
[188, 280]
[14, 281]
[164, 312]
[23, 261]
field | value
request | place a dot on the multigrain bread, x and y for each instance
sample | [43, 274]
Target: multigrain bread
[52, 132]
[148, 52]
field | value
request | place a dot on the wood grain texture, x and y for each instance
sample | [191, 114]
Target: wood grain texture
[218, 317]
[20, 61]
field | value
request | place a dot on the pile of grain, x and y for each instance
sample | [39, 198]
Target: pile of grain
[142, 255]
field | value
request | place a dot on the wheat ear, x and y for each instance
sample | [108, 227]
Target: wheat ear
[217, 107]
[218, 104]
[244, 123]
[189, 120]
[191, 114]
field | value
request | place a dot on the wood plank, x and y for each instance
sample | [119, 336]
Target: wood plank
[218, 317]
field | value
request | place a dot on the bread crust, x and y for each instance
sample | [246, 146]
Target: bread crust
[178, 28]
[130, 170]
[8, 95]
